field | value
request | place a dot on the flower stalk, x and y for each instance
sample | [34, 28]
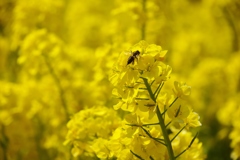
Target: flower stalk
[161, 122]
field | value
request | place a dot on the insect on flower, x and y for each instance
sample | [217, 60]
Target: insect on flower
[133, 57]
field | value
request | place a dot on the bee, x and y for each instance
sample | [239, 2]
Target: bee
[133, 57]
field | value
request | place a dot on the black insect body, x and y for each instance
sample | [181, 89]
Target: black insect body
[133, 57]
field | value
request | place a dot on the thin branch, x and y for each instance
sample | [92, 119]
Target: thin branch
[159, 89]
[143, 88]
[178, 133]
[150, 124]
[189, 146]
[150, 136]
[152, 82]
[168, 124]
[139, 157]
[170, 105]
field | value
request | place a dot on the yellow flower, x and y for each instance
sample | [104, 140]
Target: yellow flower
[166, 70]
[147, 106]
[178, 112]
[78, 149]
[164, 100]
[120, 143]
[100, 148]
[125, 154]
[181, 90]
[129, 77]
[145, 61]
[131, 107]
[154, 50]
[133, 123]
[128, 93]
[91, 124]
[151, 71]
[154, 148]
[193, 120]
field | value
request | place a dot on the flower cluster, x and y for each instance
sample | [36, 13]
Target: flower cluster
[139, 77]
[150, 111]
[138, 85]
[89, 129]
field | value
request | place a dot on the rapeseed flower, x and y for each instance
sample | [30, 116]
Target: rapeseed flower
[139, 88]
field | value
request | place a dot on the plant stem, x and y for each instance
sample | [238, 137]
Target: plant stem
[161, 121]
[165, 134]
[149, 89]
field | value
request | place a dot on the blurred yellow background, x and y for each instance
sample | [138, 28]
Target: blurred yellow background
[55, 57]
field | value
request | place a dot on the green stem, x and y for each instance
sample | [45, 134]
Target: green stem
[149, 89]
[165, 135]
[161, 121]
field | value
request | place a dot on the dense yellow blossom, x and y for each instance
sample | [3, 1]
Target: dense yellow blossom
[139, 93]
[90, 129]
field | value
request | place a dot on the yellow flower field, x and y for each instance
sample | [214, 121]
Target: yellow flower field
[119, 79]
